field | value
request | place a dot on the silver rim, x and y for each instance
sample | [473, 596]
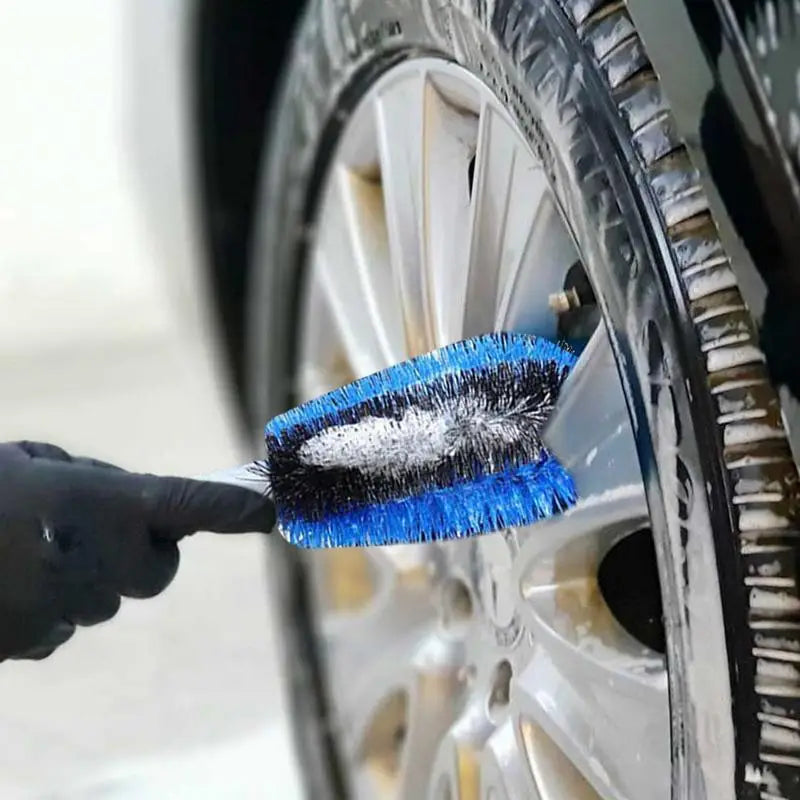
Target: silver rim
[490, 668]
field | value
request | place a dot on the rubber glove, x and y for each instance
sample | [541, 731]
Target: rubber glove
[77, 534]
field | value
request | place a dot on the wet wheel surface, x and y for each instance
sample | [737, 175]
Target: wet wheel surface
[442, 170]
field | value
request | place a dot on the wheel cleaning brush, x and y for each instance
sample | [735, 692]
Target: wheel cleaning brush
[442, 446]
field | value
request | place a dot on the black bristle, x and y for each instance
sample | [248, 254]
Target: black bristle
[518, 396]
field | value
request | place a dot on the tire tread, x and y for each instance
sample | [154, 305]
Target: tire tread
[749, 407]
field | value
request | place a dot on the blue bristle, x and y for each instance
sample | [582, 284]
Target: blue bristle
[490, 503]
[468, 497]
[482, 351]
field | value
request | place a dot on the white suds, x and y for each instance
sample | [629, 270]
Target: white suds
[770, 569]
[626, 492]
[773, 601]
[715, 281]
[761, 519]
[425, 436]
[374, 442]
[742, 433]
[726, 357]
[777, 671]
[780, 737]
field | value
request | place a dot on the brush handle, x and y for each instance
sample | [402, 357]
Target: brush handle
[248, 476]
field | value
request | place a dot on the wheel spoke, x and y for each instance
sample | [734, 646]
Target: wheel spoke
[588, 677]
[563, 606]
[352, 264]
[436, 695]
[400, 122]
[541, 262]
[554, 774]
[499, 165]
[426, 673]
[362, 202]
[589, 430]
[325, 363]
[616, 738]
[589, 527]
[555, 576]
[505, 768]
[448, 146]
[457, 766]
[380, 612]
[369, 655]
[381, 576]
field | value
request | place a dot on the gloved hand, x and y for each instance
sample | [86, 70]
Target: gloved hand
[75, 534]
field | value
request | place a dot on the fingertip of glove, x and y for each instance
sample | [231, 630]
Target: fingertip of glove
[261, 518]
[190, 505]
[60, 633]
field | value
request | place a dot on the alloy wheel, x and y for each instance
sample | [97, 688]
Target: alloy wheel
[494, 667]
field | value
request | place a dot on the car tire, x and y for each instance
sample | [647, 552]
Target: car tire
[718, 472]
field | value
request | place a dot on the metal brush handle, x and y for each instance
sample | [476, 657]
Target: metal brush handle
[248, 476]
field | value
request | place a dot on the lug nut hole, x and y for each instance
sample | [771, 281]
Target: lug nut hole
[456, 602]
[501, 687]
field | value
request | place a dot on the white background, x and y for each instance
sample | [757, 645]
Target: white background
[105, 349]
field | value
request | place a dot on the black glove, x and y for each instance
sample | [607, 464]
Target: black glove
[75, 534]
